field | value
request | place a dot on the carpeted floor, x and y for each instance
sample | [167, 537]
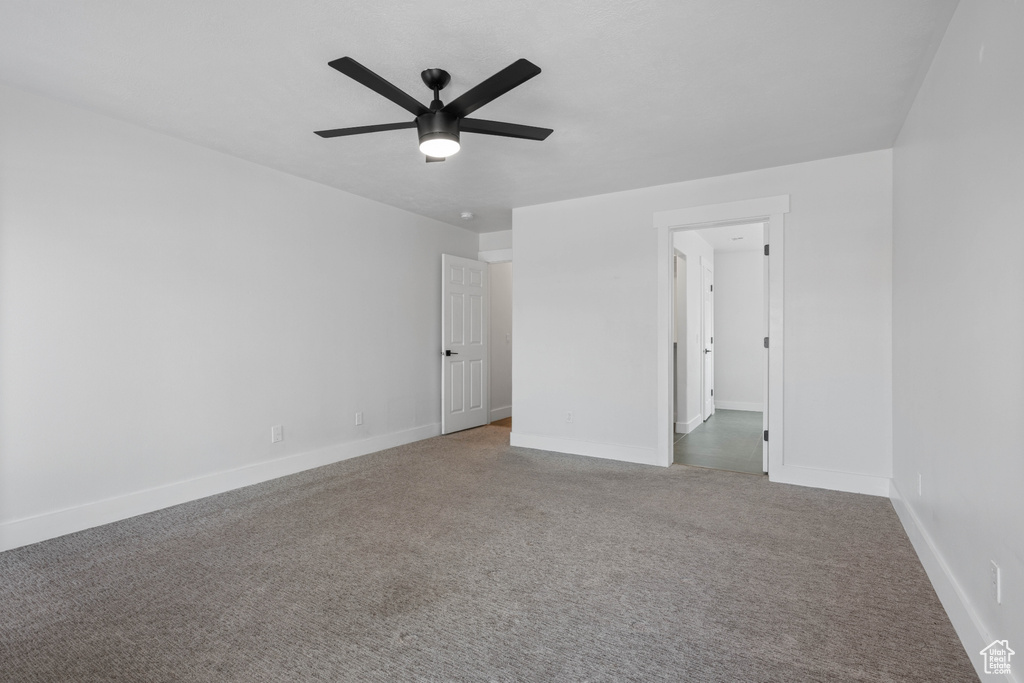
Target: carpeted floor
[461, 558]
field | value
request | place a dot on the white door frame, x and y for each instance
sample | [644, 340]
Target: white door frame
[770, 210]
[707, 340]
[491, 258]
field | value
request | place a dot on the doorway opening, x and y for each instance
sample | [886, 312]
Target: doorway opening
[500, 273]
[769, 213]
[719, 363]
[476, 343]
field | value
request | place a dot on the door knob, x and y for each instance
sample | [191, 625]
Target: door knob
[450, 353]
[707, 350]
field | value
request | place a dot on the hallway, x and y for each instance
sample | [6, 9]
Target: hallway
[728, 440]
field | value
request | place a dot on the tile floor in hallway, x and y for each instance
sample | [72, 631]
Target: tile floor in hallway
[728, 440]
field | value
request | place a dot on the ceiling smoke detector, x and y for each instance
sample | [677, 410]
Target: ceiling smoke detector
[466, 215]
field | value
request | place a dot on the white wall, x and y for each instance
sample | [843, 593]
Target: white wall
[501, 340]
[739, 330]
[586, 325]
[495, 246]
[163, 305]
[958, 337]
[689, 401]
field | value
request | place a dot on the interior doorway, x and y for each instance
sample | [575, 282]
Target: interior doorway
[770, 213]
[719, 322]
[501, 342]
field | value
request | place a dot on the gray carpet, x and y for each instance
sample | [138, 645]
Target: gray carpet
[461, 558]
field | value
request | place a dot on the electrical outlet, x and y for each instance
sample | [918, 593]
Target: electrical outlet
[276, 434]
[997, 588]
[568, 416]
[359, 419]
[920, 485]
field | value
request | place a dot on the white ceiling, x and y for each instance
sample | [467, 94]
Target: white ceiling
[639, 92]
[747, 237]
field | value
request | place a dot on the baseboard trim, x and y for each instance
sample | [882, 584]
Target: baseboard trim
[20, 532]
[501, 413]
[753, 407]
[829, 479]
[634, 454]
[966, 622]
[689, 426]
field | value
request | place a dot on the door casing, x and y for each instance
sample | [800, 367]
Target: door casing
[770, 210]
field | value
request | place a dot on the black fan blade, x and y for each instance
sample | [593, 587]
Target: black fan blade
[431, 159]
[338, 132]
[358, 72]
[505, 130]
[500, 83]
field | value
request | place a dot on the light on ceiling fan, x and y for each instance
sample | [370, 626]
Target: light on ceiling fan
[439, 144]
[439, 134]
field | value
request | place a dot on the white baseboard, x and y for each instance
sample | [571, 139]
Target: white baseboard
[966, 622]
[754, 407]
[689, 425]
[634, 454]
[829, 479]
[501, 413]
[48, 525]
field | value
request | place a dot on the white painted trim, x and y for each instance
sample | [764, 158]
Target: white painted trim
[775, 407]
[495, 255]
[689, 425]
[750, 406]
[962, 614]
[766, 355]
[728, 212]
[769, 209]
[707, 390]
[829, 479]
[69, 520]
[501, 413]
[609, 451]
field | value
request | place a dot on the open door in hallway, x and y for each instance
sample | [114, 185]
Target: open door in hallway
[464, 333]
[708, 331]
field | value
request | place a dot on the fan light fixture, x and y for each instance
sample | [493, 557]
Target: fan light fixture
[439, 144]
[439, 134]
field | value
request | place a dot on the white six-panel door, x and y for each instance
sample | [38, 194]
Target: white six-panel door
[464, 332]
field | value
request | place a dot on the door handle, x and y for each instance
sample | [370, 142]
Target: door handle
[707, 350]
[450, 353]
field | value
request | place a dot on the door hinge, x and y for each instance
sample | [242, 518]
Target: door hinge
[711, 288]
[766, 250]
[712, 392]
[712, 340]
[766, 435]
[766, 342]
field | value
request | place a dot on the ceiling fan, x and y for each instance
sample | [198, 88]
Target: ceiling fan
[439, 125]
